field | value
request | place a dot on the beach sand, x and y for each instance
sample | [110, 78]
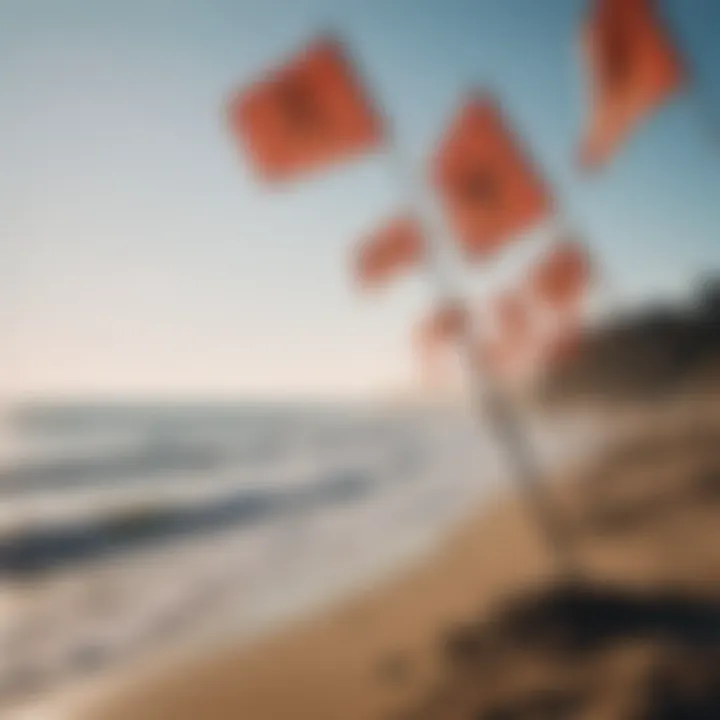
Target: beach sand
[486, 629]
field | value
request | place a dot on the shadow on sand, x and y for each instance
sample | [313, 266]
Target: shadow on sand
[575, 650]
[594, 649]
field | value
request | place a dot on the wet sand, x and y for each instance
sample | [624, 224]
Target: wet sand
[486, 629]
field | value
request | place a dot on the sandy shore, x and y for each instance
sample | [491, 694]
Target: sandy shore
[646, 520]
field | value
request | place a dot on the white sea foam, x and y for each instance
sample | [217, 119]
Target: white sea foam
[342, 500]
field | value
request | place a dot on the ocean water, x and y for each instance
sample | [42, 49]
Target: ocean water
[126, 529]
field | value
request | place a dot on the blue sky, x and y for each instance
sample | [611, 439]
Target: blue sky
[140, 256]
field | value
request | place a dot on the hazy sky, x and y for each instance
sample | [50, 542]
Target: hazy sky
[139, 255]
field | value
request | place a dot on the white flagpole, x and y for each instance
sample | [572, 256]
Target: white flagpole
[488, 400]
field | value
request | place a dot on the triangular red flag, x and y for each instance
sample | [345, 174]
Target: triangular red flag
[490, 189]
[396, 246]
[444, 325]
[433, 337]
[505, 348]
[311, 112]
[560, 279]
[634, 68]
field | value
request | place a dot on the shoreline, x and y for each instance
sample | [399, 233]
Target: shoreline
[376, 653]
[353, 631]
[275, 659]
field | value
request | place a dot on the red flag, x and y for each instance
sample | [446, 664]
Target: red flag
[444, 325]
[507, 347]
[490, 189]
[562, 276]
[432, 338]
[434, 368]
[309, 113]
[634, 68]
[396, 246]
[563, 347]
[512, 317]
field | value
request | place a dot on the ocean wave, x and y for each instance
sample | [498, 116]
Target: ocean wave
[134, 527]
[202, 534]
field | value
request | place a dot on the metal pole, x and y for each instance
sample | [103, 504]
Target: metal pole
[488, 400]
[487, 403]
